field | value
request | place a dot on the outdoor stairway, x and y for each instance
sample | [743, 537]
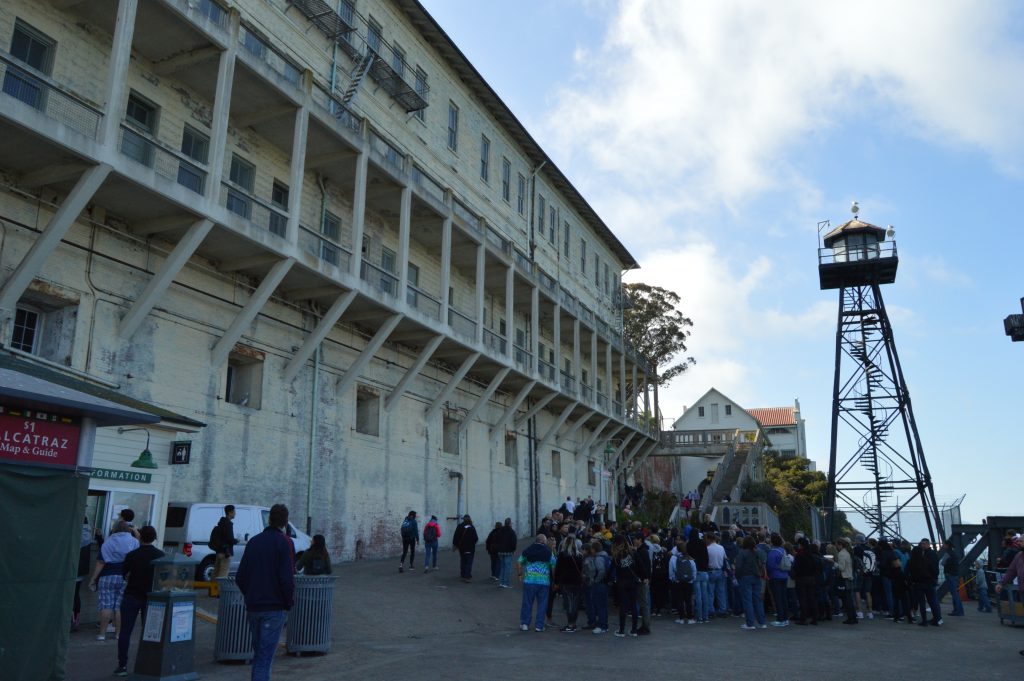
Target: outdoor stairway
[732, 473]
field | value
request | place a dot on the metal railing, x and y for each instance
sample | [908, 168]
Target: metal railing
[167, 163]
[387, 153]
[522, 261]
[859, 253]
[380, 279]
[37, 90]
[602, 401]
[427, 184]
[587, 392]
[495, 342]
[547, 370]
[328, 250]
[241, 202]
[616, 407]
[568, 383]
[547, 281]
[461, 323]
[523, 357]
[423, 301]
[260, 48]
[586, 314]
[568, 300]
[334, 106]
[497, 240]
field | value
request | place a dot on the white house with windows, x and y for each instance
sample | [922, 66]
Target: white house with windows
[784, 427]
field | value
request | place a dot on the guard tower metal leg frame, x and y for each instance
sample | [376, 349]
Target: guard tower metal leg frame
[870, 397]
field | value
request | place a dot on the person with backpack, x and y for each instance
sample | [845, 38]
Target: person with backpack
[536, 564]
[222, 541]
[491, 546]
[627, 581]
[597, 567]
[698, 551]
[643, 571]
[660, 599]
[805, 571]
[682, 574]
[464, 541]
[431, 533]
[864, 567]
[750, 571]
[410, 532]
[779, 565]
[316, 560]
[506, 545]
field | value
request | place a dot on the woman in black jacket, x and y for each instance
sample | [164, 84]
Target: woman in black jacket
[627, 580]
[569, 580]
[491, 544]
[806, 568]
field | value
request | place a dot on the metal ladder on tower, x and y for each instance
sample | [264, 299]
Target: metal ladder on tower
[362, 67]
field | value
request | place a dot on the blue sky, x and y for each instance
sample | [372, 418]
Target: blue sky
[712, 137]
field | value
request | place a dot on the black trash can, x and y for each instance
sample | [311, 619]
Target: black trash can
[309, 620]
[234, 638]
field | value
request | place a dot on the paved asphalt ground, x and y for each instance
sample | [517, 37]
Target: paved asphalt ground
[418, 627]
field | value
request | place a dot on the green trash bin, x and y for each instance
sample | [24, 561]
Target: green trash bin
[309, 620]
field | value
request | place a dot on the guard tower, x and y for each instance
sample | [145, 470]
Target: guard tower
[882, 470]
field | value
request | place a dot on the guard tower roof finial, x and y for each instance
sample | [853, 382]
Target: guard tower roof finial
[855, 209]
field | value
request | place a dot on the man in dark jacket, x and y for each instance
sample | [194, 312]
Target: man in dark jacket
[266, 577]
[138, 573]
[698, 550]
[643, 574]
[506, 544]
[949, 559]
[464, 541]
[923, 570]
[222, 540]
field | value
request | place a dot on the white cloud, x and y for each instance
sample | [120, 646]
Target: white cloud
[700, 104]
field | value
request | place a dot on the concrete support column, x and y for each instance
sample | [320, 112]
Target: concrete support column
[622, 385]
[608, 381]
[404, 225]
[359, 212]
[557, 332]
[535, 327]
[446, 268]
[222, 111]
[480, 254]
[510, 324]
[593, 363]
[117, 74]
[297, 173]
[577, 362]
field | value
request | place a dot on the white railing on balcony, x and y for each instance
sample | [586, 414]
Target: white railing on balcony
[333, 105]
[386, 153]
[37, 90]
[568, 301]
[261, 214]
[522, 262]
[587, 392]
[423, 301]
[497, 240]
[523, 357]
[546, 370]
[494, 341]
[568, 383]
[461, 323]
[586, 314]
[380, 279]
[427, 184]
[255, 45]
[547, 281]
[166, 162]
[324, 248]
[602, 401]
[466, 216]
[616, 407]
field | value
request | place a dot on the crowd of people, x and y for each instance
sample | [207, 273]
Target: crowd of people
[698, 572]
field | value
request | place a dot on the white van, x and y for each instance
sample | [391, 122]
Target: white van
[188, 531]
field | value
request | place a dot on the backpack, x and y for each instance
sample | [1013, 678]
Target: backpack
[685, 572]
[786, 562]
[407, 529]
[868, 563]
[215, 538]
[430, 533]
[609, 578]
[317, 566]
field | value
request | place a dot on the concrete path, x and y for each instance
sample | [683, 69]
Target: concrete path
[418, 627]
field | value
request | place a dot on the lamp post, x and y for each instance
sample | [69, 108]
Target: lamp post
[609, 451]
[145, 459]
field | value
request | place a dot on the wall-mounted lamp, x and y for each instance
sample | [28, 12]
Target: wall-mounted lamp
[145, 459]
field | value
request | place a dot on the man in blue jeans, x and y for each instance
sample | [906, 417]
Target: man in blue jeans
[266, 577]
[536, 565]
[950, 563]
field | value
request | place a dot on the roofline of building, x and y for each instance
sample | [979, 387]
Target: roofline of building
[446, 47]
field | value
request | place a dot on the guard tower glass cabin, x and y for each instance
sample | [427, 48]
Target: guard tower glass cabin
[857, 254]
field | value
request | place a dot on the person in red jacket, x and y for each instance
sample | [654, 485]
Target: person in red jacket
[431, 533]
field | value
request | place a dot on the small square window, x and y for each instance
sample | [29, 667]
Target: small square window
[244, 381]
[556, 464]
[450, 439]
[367, 411]
[511, 453]
[28, 327]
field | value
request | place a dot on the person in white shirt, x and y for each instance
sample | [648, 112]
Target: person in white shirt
[570, 505]
[716, 575]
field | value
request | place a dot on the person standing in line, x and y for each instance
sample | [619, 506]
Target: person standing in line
[410, 535]
[923, 571]
[536, 565]
[698, 550]
[222, 541]
[464, 541]
[431, 533]
[981, 582]
[138, 575]
[569, 580]
[805, 572]
[844, 564]
[749, 571]
[491, 546]
[778, 576]
[266, 578]
[108, 576]
[950, 562]
[682, 573]
[316, 560]
[643, 591]
[716, 576]
[506, 543]
[626, 582]
[596, 566]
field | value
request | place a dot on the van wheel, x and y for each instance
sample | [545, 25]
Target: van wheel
[204, 573]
